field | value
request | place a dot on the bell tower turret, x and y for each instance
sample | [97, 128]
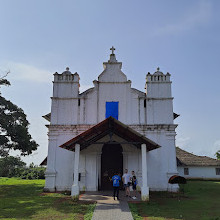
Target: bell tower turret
[159, 98]
[64, 108]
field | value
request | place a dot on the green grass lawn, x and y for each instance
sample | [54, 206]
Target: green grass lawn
[24, 199]
[201, 201]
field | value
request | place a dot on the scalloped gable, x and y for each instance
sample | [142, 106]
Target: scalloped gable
[112, 71]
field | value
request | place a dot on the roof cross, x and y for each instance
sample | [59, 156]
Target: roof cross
[112, 49]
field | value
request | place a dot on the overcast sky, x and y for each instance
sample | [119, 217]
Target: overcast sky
[41, 37]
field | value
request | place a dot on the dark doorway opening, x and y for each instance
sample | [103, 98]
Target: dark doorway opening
[111, 162]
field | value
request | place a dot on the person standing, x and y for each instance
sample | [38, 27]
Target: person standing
[116, 182]
[134, 184]
[126, 180]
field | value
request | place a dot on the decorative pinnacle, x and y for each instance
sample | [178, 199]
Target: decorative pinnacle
[158, 68]
[112, 49]
[67, 69]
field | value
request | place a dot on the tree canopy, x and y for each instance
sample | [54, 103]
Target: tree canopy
[14, 133]
[8, 165]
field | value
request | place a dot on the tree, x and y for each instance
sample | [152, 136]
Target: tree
[10, 165]
[218, 155]
[14, 133]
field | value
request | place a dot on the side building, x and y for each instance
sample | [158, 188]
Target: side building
[192, 166]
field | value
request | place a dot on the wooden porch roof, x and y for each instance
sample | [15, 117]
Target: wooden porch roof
[109, 127]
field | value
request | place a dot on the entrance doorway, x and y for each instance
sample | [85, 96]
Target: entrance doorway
[111, 162]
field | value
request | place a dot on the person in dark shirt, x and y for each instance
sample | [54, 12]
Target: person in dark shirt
[116, 183]
[134, 184]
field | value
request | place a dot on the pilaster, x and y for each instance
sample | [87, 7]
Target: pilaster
[50, 174]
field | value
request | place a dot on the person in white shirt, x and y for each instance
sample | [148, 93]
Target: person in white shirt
[127, 182]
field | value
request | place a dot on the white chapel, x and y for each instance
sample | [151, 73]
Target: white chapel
[108, 128]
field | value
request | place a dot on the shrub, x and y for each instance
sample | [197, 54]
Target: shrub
[15, 167]
[9, 166]
[33, 173]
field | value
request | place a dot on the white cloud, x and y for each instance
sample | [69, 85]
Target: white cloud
[185, 144]
[216, 146]
[26, 72]
[211, 150]
[193, 18]
[182, 142]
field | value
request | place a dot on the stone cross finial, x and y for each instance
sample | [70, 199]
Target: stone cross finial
[112, 49]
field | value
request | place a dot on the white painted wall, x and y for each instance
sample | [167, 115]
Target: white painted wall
[199, 172]
[68, 119]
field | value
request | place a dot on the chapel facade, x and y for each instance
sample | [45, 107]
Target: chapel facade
[108, 128]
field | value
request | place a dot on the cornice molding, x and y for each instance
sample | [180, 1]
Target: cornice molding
[77, 129]
[168, 98]
[64, 98]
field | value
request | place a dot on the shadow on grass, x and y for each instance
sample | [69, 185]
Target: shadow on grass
[200, 201]
[27, 201]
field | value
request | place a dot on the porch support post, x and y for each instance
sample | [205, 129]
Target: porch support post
[144, 188]
[75, 186]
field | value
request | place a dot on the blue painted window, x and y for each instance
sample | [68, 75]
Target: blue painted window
[111, 109]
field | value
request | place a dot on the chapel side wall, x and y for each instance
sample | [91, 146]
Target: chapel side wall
[162, 161]
[64, 164]
[91, 111]
[157, 167]
[82, 109]
[134, 110]
[65, 171]
[199, 172]
[63, 161]
[142, 110]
